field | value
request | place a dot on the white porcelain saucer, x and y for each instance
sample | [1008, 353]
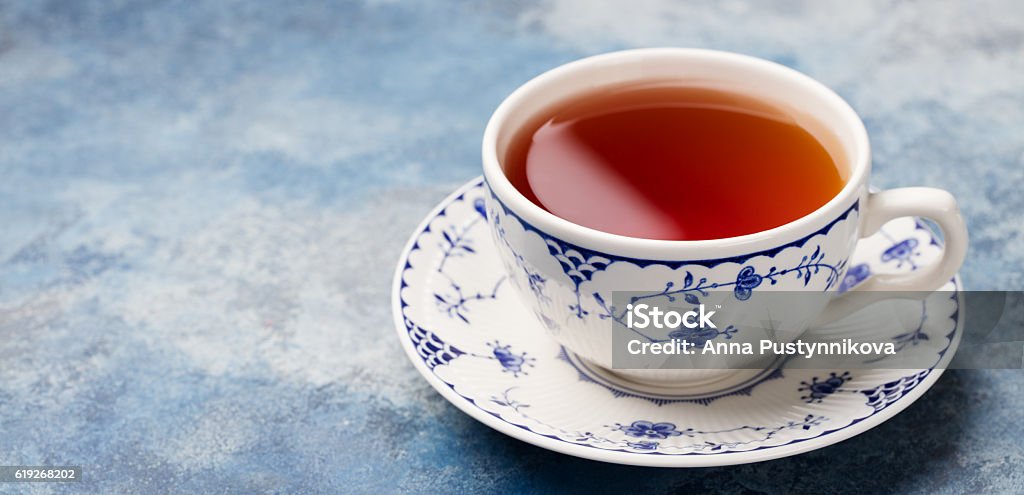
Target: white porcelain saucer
[469, 335]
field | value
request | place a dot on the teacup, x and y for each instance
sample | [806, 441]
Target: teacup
[567, 273]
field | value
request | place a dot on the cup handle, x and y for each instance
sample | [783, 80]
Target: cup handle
[935, 204]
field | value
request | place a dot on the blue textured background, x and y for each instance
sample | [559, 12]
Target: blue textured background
[201, 205]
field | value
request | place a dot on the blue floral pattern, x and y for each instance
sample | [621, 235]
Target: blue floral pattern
[911, 338]
[510, 361]
[434, 351]
[887, 394]
[638, 436]
[901, 252]
[648, 429]
[700, 336]
[644, 445]
[536, 282]
[456, 303]
[818, 390]
[455, 241]
[855, 275]
[648, 432]
[746, 281]
[580, 265]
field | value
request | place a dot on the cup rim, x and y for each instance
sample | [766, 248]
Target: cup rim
[554, 225]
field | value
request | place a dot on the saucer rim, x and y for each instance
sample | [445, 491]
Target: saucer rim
[468, 405]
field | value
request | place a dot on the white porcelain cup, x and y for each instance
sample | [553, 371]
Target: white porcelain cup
[566, 273]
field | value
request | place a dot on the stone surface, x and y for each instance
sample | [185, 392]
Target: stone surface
[201, 205]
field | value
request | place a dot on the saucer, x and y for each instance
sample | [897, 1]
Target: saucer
[467, 332]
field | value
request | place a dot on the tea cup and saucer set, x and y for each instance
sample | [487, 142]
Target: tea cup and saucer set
[504, 307]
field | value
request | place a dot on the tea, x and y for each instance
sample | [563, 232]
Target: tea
[671, 162]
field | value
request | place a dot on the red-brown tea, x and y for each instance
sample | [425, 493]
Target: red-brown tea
[670, 162]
